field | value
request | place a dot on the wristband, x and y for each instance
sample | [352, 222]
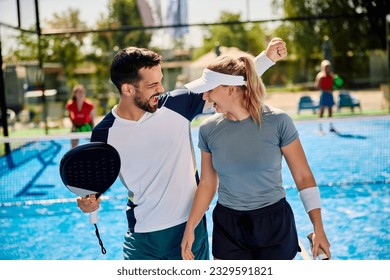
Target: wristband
[310, 198]
[262, 63]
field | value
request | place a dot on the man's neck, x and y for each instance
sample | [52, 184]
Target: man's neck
[129, 112]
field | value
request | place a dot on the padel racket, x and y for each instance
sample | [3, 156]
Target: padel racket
[90, 169]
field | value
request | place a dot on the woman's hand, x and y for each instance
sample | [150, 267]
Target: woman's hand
[186, 244]
[276, 49]
[320, 241]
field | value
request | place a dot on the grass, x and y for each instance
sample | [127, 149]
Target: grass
[308, 115]
[289, 88]
[27, 132]
[344, 113]
[305, 115]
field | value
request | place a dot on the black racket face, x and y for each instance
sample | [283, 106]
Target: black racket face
[93, 166]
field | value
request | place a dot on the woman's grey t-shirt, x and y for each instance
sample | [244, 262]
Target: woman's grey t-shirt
[248, 157]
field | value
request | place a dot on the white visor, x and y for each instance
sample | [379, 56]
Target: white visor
[211, 79]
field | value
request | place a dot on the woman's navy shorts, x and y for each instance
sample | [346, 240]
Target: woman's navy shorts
[267, 233]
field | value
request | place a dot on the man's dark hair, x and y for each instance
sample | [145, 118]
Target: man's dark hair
[127, 62]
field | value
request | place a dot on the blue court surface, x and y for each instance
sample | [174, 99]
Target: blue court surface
[39, 218]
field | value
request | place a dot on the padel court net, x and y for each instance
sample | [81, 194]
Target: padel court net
[357, 153]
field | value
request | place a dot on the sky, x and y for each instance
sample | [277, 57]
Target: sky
[199, 11]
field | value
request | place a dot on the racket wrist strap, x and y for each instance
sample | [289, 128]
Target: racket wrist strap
[310, 198]
[93, 217]
[100, 241]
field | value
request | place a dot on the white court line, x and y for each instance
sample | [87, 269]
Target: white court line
[74, 135]
[304, 253]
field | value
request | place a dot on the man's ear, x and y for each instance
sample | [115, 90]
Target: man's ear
[127, 89]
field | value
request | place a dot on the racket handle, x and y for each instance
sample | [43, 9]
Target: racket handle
[93, 217]
[321, 255]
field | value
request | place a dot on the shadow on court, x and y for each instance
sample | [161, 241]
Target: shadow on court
[30, 172]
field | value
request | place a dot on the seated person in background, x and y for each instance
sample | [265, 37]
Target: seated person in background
[81, 112]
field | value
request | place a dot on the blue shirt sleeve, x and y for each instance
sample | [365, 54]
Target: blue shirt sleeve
[100, 131]
[186, 103]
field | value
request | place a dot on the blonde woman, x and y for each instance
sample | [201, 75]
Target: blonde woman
[241, 155]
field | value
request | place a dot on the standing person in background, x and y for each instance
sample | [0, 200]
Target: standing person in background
[324, 82]
[241, 155]
[81, 112]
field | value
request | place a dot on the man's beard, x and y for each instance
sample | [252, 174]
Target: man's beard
[144, 105]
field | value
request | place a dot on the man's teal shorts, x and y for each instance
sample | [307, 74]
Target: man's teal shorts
[165, 244]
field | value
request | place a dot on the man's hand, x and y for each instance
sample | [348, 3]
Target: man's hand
[88, 204]
[276, 49]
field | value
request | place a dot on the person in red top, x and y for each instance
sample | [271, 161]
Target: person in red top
[324, 82]
[81, 112]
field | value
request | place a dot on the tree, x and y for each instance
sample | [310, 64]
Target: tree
[65, 50]
[353, 27]
[121, 13]
[247, 38]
